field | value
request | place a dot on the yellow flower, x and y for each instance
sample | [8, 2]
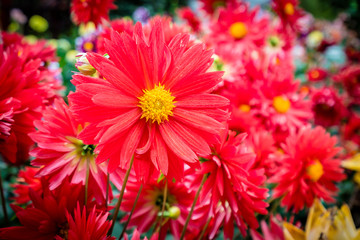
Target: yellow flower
[38, 23]
[353, 164]
[331, 224]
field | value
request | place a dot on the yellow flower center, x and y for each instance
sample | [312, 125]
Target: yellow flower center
[315, 170]
[315, 74]
[289, 9]
[238, 30]
[245, 108]
[88, 46]
[281, 104]
[156, 104]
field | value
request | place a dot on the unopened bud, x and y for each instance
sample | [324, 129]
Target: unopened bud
[174, 212]
[83, 65]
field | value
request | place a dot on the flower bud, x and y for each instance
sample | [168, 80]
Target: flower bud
[174, 212]
[83, 65]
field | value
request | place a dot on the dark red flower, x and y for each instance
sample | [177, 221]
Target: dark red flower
[84, 11]
[316, 74]
[351, 130]
[350, 78]
[328, 107]
[46, 218]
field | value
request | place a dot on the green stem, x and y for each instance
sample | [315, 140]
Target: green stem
[193, 206]
[118, 204]
[3, 200]
[163, 204]
[87, 180]
[131, 213]
[204, 229]
[107, 190]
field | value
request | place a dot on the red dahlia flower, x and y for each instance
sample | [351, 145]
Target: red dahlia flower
[26, 180]
[238, 29]
[233, 184]
[149, 206]
[26, 80]
[87, 226]
[316, 74]
[283, 109]
[351, 130]
[262, 144]
[278, 42]
[7, 108]
[60, 153]
[84, 11]
[154, 101]
[243, 99]
[289, 12]
[328, 107]
[310, 169]
[21, 102]
[46, 219]
[350, 78]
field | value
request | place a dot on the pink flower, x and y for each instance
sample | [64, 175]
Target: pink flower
[60, 152]
[283, 109]
[289, 13]
[238, 29]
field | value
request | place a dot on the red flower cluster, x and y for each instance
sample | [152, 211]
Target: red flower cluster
[194, 143]
[26, 88]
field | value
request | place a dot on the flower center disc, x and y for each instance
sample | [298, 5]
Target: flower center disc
[315, 74]
[88, 46]
[289, 9]
[315, 170]
[245, 108]
[156, 104]
[281, 104]
[238, 30]
[274, 41]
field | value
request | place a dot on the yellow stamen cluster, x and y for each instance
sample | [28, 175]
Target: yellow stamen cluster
[315, 170]
[245, 108]
[281, 104]
[156, 104]
[238, 30]
[289, 9]
[88, 46]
